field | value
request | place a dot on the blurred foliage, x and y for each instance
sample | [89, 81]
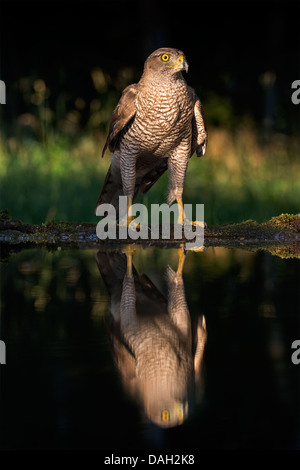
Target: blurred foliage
[51, 169]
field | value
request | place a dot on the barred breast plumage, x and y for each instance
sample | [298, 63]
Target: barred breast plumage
[157, 125]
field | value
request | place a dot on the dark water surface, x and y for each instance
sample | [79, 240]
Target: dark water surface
[99, 359]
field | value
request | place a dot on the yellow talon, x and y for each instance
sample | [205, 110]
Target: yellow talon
[129, 210]
[181, 259]
[129, 265]
[180, 220]
[198, 249]
[129, 251]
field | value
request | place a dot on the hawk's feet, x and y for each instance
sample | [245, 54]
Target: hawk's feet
[195, 223]
[183, 220]
[131, 229]
[181, 259]
[197, 249]
[129, 251]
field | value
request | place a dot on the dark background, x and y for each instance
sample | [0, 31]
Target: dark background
[230, 47]
[65, 65]
[60, 388]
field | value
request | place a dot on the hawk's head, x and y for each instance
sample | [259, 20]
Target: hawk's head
[166, 60]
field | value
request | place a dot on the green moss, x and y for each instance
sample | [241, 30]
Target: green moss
[61, 227]
[4, 215]
[280, 235]
[249, 229]
[289, 221]
[286, 252]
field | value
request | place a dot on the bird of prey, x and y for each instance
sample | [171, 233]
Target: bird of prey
[157, 125]
[158, 350]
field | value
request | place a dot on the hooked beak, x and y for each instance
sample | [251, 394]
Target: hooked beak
[181, 64]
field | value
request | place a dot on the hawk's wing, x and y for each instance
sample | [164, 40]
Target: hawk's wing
[122, 115]
[199, 137]
[199, 340]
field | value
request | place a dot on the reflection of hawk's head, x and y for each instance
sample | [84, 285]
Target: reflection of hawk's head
[166, 61]
[168, 415]
[165, 400]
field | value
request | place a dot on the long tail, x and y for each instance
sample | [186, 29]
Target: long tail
[145, 179]
[112, 189]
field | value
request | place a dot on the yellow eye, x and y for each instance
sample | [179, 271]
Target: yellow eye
[165, 57]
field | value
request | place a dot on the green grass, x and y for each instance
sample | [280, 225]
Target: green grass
[238, 179]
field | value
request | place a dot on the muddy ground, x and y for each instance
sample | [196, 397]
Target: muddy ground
[280, 236]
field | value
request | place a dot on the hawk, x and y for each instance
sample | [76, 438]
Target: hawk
[157, 348]
[157, 125]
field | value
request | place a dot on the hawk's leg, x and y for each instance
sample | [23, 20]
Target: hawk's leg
[181, 258]
[181, 215]
[177, 305]
[129, 252]
[177, 164]
[128, 320]
[128, 174]
[128, 220]
[182, 219]
[177, 171]
[129, 210]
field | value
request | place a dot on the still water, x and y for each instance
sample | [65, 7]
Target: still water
[168, 354]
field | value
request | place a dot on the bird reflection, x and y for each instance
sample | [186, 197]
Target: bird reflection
[157, 350]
